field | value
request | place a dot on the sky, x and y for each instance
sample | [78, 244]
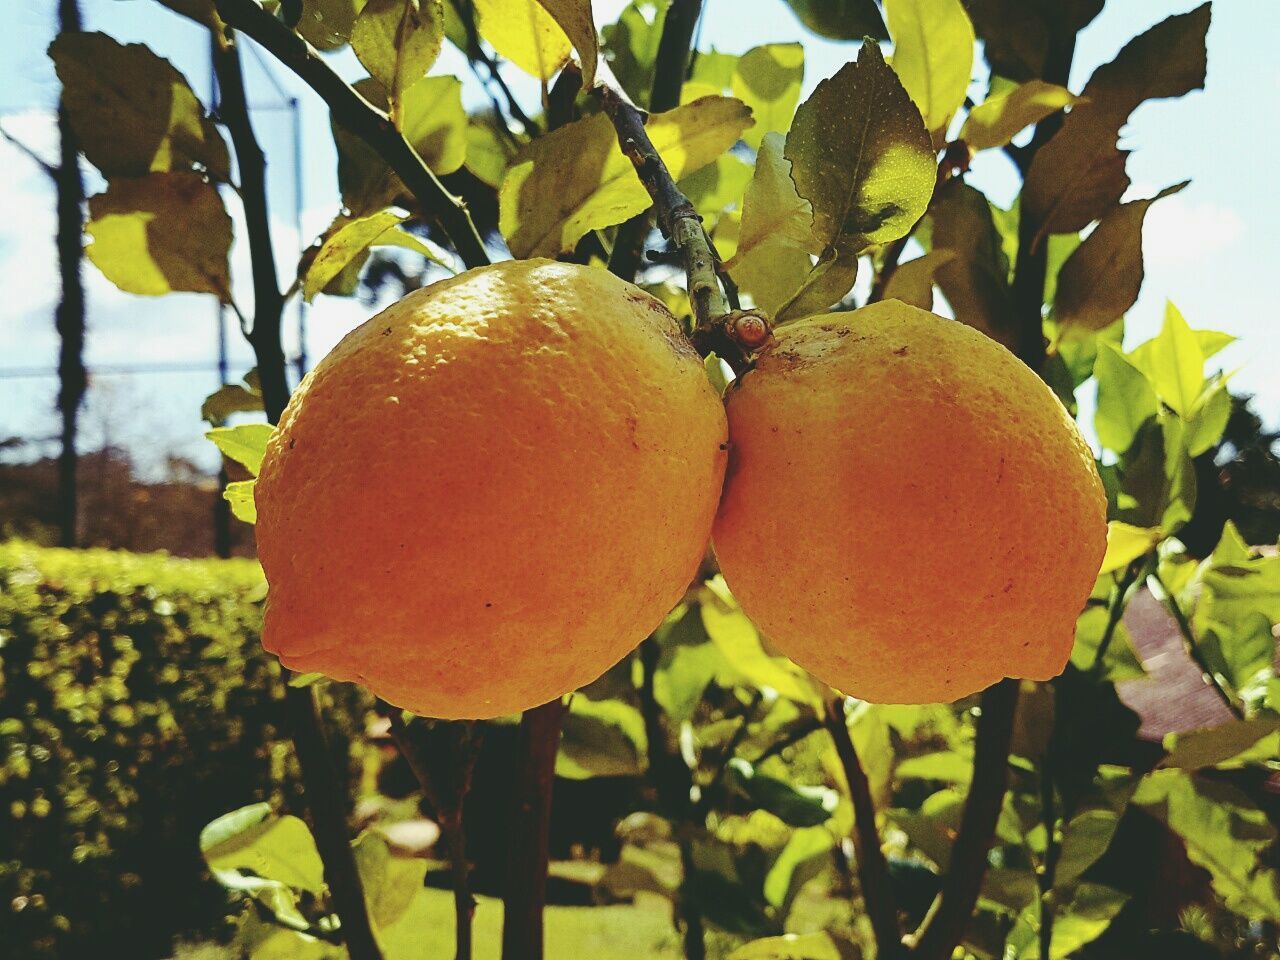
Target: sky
[1212, 249]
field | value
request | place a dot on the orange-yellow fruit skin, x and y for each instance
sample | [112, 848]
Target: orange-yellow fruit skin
[909, 512]
[486, 495]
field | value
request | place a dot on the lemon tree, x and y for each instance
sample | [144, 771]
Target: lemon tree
[495, 495]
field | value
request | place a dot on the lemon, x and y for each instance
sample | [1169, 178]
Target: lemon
[909, 512]
[487, 494]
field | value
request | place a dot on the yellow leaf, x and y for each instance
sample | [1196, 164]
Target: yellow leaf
[933, 44]
[525, 33]
[1126, 543]
[574, 17]
[998, 120]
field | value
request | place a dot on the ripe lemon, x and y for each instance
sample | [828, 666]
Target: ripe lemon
[909, 512]
[487, 494]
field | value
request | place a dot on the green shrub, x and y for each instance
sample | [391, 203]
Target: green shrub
[136, 705]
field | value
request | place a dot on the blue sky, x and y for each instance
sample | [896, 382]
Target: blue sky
[1212, 249]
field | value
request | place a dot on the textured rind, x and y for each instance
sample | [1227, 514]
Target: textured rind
[909, 512]
[486, 495]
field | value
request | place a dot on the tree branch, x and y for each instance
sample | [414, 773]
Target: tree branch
[873, 869]
[529, 832]
[945, 924]
[669, 68]
[320, 778]
[363, 119]
[448, 809]
[676, 216]
[69, 315]
[1032, 264]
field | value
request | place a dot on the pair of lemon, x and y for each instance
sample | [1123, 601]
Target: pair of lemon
[490, 492]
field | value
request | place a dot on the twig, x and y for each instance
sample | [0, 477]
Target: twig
[670, 68]
[676, 216]
[449, 814]
[794, 736]
[320, 778]
[29, 152]
[1192, 646]
[529, 838]
[363, 119]
[1032, 264]
[673, 783]
[1116, 605]
[1049, 817]
[476, 53]
[873, 869]
[944, 926]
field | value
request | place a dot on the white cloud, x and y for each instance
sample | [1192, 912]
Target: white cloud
[1180, 231]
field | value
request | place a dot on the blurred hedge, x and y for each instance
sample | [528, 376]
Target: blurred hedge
[136, 705]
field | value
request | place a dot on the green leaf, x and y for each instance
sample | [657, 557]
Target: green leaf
[488, 151]
[841, 19]
[352, 238]
[1217, 746]
[1085, 839]
[1126, 543]
[933, 44]
[398, 41]
[245, 444]
[576, 179]
[1086, 916]
[524, 32]
[1126, 398]
[431, 118]
[1224, 832]
[254, 842]
[805, 855]
[631, 46]
[161, 233]
[1208, 417]
[975, 280]
[767, 79]
[391, 884]
[1213, 341]
[327, 24]
[1173, 362]
[830, 279]
[229, 399]
[860, 154]
[132, 112]
[945, 766]
[796, 946]
[716, 187]
[1015, 34]
[912, 282]
[688, 663]
[239, 493]
[723, 889]
[1101, 280]
[1158, 476]
[601, 738]
[798, 806]
[998, 120]
[776, 236]
[1079, 174]
[574, 18]
[736, 638]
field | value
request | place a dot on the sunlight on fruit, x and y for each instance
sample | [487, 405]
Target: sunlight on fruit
[909, 513]
[489, 493]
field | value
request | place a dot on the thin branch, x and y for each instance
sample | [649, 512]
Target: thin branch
[363, 119]
[529, 832]
[476, 54]
[448, 810]
[319, 775]
[676, 216]
[1048, 876]
[1116, 605]
[873, 869]
[793, 736]
[1031, 267]
[670, 67]
[944, 926]
[48, 168]
[1192, 646]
